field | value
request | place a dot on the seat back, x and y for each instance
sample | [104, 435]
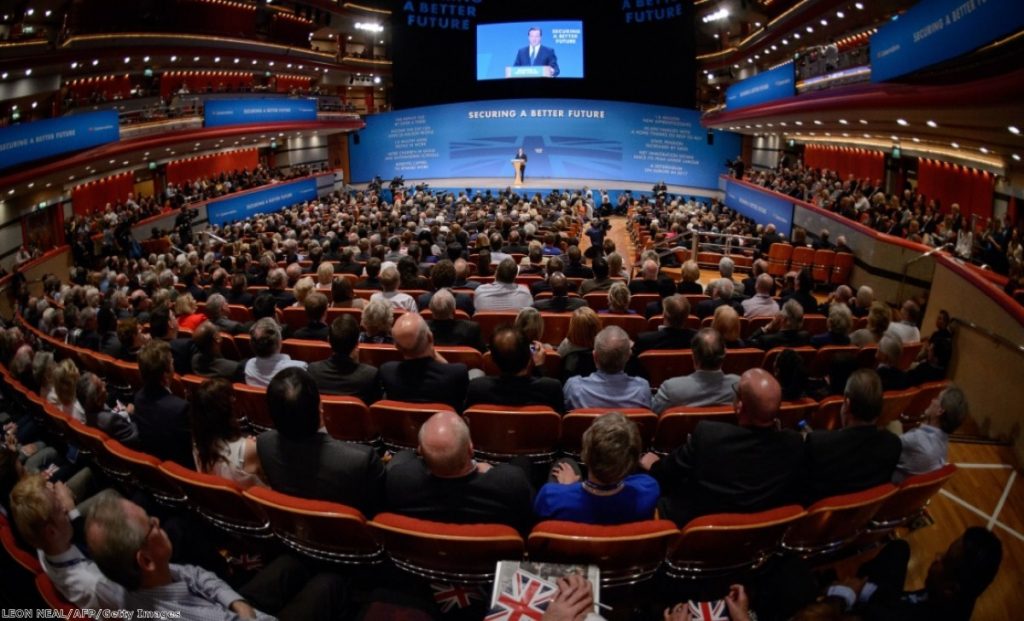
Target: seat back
[823, 359]
[490, 320]
[815, 323]
[866, 357]
[576, 422]
[753, 323]
[239, 313]
[663, 364]
[909, 354]
[143, 471]
[455, 553]
[806, 353]
[802, 257]
[738, 361]
[294, 317]
[833, 522]
[894, 402]
[625, 553]
[729, 542]
[597, 300]
[306, 350]
[910, 499]
[468, 356]
[676, 424]
[842, 268]
[375, 354]
[827, 415]
[913, 414]
[632, 324]
[219, 500]
[321, 530]
[127, 374]
[251, 406]
[399, 421]
[821, 271]
[639, 301]
[792, 412]
[556, 327]
[348, 419]
[26, 559]
[500, 432]
[778, 259]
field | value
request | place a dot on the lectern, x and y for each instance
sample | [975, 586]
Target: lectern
[517, 164]
[529, 71]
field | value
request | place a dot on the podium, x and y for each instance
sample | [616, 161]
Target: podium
[517, 164]
[528, 71]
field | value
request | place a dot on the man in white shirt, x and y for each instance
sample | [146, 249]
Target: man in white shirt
[43, 513]
[503, 293]
[266, 344]
[389, 280]
[762, 304]
[906, 329]
[925, 447]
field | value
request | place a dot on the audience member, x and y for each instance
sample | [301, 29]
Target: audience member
[269, 361]
[160, 415]
[448, 330]
[503, 293]
[342, 373]
[219, 447]
[422, 375]
[707, 385]
[924, 448]
[608, 386]
[516, 385]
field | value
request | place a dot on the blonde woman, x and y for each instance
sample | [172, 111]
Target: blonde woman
[577, 350]
[618, 300]
[186, 311]
[64, 391]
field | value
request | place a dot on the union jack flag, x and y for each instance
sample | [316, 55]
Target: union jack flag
[709, 611]
[529, 599]
[451, 596]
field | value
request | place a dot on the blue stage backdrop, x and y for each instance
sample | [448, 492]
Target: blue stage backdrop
[273, 110]
[498, 44]
[34, 141]
[261, 201]
[767, 86]
[760, 206]
[937, 30]
[563, 138]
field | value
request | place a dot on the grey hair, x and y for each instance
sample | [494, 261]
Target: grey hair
[266, 337]
[612, 349]
[793, 314]
[442, 305]
[114, 551]
[215, 306]
[725, 267]
[891, 347]
[378, 314]
[725, 288]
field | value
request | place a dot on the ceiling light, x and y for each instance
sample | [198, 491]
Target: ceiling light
[824, 22]
[174, 59]
[845, 135]
[984, 150]
[840, 14]
[127, 59]
[954, 145]
[32, 185]
[867, 135]
[11, 191]
[30, 12]
[862, 121]
[4, 75]
[34, 104]
[216, 59]
[757, 24]
[775, 47]
[71, 178]
[236, 61]
[195, 59]
[1016, 157]
[798, 122]
[810, 29]
[28, 72]
[915, 139]
[74, 65]
[48, 13]
[720, 14]
[111, 162]
[95, 62]
[785, 41]
[716, 35]
[270, 64]
[1014, 130]
[796, 35]
[817, 122]
[894, 138]
[843, 122]
[902, 122]
[145, 59]
[859, 6]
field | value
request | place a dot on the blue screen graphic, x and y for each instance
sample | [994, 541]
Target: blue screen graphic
[218, 112]
[760, 206]
[262, 201]
[34, 141]
[503, 48]
[763, 87]
[567, 139]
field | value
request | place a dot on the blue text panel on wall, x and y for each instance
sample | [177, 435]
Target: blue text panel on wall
[562, 138]
[760, 206]
[35, 141]
[244, 111]
[262, 201]
[937, 30]
[762, 88]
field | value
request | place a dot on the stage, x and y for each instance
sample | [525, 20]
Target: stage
[545, 185]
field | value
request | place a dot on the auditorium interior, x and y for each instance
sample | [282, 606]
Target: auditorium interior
[762, 257]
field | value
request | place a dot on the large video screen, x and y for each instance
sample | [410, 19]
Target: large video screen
[540, 49]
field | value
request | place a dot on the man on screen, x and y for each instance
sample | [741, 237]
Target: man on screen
[536, 55]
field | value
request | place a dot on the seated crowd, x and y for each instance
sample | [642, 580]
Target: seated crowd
[416, 256]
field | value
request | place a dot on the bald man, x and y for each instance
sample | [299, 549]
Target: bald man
[726, 468]
[441, 481]
[422, 376]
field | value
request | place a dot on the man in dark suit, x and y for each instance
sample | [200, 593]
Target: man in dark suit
[725, 468]
[372, 272]
[449, 331]
[442, 276]
[342, 374]
[163, 325]
[721, 295]
[785, 330]
[537, 55]
[216, 306]
[348, 264]
[768, 238]
[673, 333]
[516, 385]
[316, 309]
[888, 356]
[277, 280]
[300, 460]
[160, 415]
[650, 281]
[858, 456]
[559, 302]
[441, 481]
[92, 394]
[422, 376]
[933, 369]
[804, 293]
[575, 268]
[238, 294]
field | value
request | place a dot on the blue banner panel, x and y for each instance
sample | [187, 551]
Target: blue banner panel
[503, 50]
[34, 141]
[244, 111]
[262, 201]
[937, 30]
[760, 206]
[562, 138]
[763, 87]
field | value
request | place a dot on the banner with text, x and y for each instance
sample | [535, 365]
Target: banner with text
[276, 110]
[260, 201]
[937, 30]
[34, 141]
[562, 139]
[760, 206]
[763, 87]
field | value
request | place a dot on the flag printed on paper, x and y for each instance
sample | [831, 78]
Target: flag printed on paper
[709, 611]
[528, 599]
[451, 596]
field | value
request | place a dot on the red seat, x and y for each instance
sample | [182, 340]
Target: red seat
[501, 432]
[910, 499]
[348, 419]
[815, 323]
[639, 301]
[321, 530]
[219, 501]
[294, 317]
[909, 354]
[399, 421]
[663, 364]
[738, 361]
[894, 402]
[753, 323]
[625, 553]
[866, 357]
[832, 523]
[251, 406]
[556, 327]
[597, 300]
[576, 422]
[239, 313]
[913, 413]
[375, 354]
[827, 416]
[24, 558]
[823, 359]
[306, 350]
[842, 268]
[778, 259]
[454, 553]
[490, 320]
[792, 412]
[806, 353]
[468, 356]
[676, 424]
[144, 472]
[802, 257]
[728, 542]
[824, 260]
[632, 324]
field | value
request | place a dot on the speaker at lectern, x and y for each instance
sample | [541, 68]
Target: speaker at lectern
[517, 165]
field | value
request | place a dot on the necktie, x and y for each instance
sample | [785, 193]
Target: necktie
[533, 54]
